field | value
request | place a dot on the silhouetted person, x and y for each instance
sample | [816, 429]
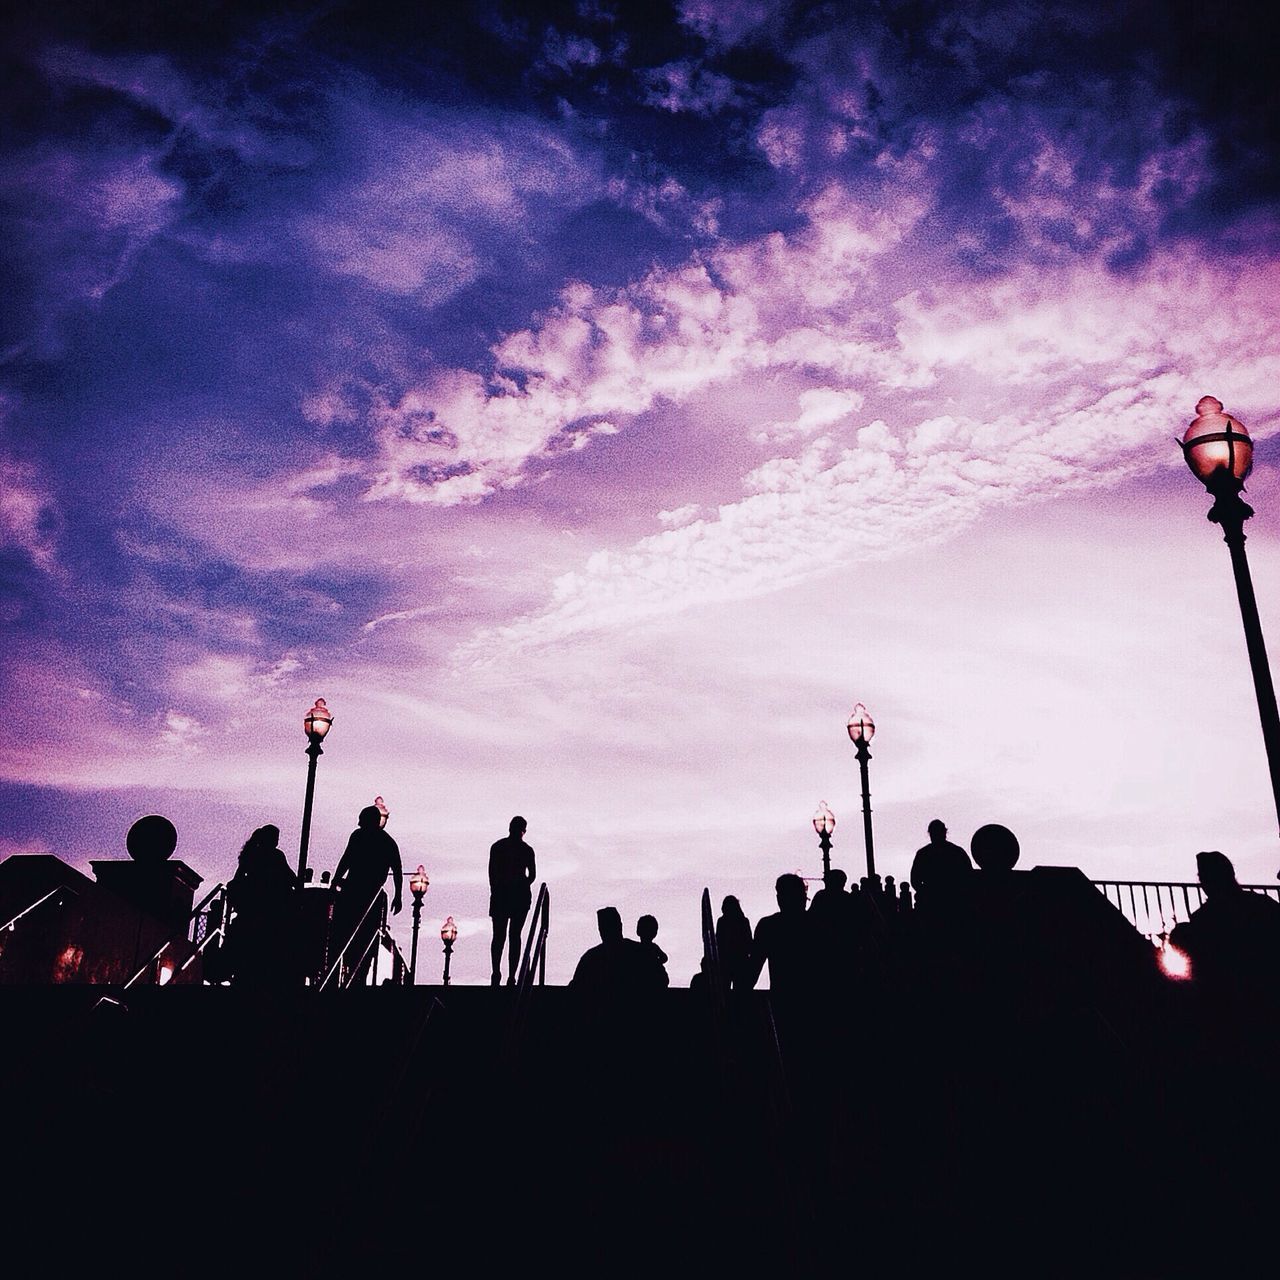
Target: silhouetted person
[370, 856]
[836, 927]
[619, 968]
[783, 941]
[512, 871]
[733, 943]
[647, 931]
[261, 895]
[939, 868]
[827, 901]
[1233, 940]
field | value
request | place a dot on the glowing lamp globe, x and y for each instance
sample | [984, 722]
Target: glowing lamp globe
[862, 728]
[1217, 442]
[317, 721]
[419, 881]
[824, 821]
[383, 812]
[448, 931]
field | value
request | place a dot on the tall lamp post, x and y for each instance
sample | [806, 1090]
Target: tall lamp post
[862, 728]
[448, 935]
[316, 723]
[1219, 452]
[824, 823]
[418, 883]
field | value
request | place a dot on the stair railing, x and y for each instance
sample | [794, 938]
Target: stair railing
[346, 979]
[194, 930]
[535, 956]
[53, 894]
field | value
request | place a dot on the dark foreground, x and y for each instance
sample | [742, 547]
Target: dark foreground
[379, 1131]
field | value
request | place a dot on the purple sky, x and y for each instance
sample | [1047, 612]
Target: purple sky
[593, 402]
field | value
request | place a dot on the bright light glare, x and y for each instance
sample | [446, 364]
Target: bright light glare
[1174, 963]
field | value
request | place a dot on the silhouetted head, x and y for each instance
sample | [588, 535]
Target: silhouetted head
[267, 837]
[937, 831]
[517, 826]
[609, 922]
[835, 880]
[647, 928]
[791, 891]
[994, 848]
[1215, 872]
[370, 818]
[731, 906]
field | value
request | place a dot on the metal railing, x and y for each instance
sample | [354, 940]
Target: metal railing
[207, 921]
[346, 975]
[1153, 907]
[535, 956]
[535, 945]
[53, 894]
[713, 974]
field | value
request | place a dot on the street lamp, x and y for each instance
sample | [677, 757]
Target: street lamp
[315, 724]
[448, 935]
[824, 823]
[1219, 452]
[383, 812]
[418, 883]
[862, 728]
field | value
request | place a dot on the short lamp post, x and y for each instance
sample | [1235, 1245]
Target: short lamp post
[316, 723]
[1219, 452]
[383, 812]
[824, 823]
[418, 883]
[862, 728]
[448, 935]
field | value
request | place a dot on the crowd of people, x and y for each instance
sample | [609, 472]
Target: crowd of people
[962, 912]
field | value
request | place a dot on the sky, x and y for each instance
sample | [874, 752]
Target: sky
[592, 402]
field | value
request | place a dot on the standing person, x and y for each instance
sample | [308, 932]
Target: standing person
[511, 871]
[261, 895]
[783, 941]
[733, 942]
[370, 856]
[939, 867]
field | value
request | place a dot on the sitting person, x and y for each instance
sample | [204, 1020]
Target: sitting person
[618, 968]
[647, 931]
[1234, 938]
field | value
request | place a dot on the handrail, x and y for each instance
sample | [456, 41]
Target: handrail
[195, 914]
[1144, 914]
[711, 954]
[380, 896]
[219, 932]
[535, 953]
[375, 941]
[535, 945]
[39, 902]
[399, 966]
